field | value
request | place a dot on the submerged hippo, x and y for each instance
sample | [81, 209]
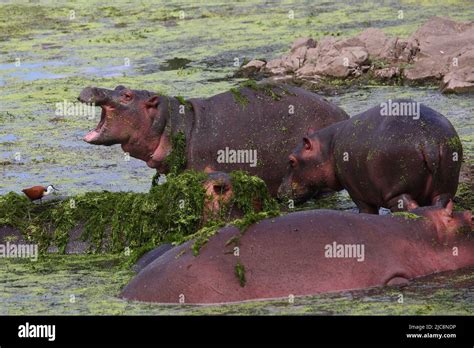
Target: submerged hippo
[399, 161]
[252, 129]
[309, 252]
[218, 199]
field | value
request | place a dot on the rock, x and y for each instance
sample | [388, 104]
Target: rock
[300, 54]
[440, 42]
[252, 67]
[333, 57]
[427, 71]
[357, 55]
[388, 51]
[340, 63]
[405, 50]
[374, 41]
[296, 60]
[288, 63]
[459, 81]
[333, 65]
[303, 42]
[387, 73]
[312, 55]
[306, 71]
[431, 52]
[440, 26]
[380, 46]
[348, 42]
[275, 67]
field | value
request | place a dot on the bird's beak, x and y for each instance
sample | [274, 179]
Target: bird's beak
[54, 188]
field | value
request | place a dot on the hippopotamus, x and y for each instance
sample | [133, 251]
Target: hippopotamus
[249, 128]
[309, 252]
[150, 256]
[219, 192]
[397, 161]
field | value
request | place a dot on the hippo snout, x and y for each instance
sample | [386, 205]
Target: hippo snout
[93, 95]
[284, 191]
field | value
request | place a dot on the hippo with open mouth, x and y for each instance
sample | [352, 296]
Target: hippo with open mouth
[250, 128]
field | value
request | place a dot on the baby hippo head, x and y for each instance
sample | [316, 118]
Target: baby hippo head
[218, 187]
[449, 224]
[309, 170]
[220, 195]
[124, 111]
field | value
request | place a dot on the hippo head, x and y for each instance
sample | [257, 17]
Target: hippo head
[124, 113]
[220, 196]
[449, 224]
[309, 171]
[218, 187]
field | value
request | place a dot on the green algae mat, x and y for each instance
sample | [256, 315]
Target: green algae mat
[50, 50]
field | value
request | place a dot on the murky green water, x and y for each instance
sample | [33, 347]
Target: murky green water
[89, 284]
[60, 52]
[50, 50]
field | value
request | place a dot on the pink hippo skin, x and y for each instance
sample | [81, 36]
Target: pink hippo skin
[395, 162]
[246, 119]
[287, 256]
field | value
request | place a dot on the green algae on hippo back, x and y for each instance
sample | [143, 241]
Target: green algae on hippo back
[211, 134]
[113, 221]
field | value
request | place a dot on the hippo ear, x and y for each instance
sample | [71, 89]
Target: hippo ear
[307, 144]
[153, 102]
[449, 208]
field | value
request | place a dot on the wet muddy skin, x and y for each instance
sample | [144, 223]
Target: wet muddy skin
[148, 46]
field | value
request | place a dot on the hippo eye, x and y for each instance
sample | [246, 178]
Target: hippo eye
[127, 96]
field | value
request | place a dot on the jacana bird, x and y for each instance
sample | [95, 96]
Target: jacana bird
[38, 192]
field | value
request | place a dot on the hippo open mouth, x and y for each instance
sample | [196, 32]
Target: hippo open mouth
[93, 137]
[102, 98]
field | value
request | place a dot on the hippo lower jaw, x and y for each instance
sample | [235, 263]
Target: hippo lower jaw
[162, 151]
[285, 193]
